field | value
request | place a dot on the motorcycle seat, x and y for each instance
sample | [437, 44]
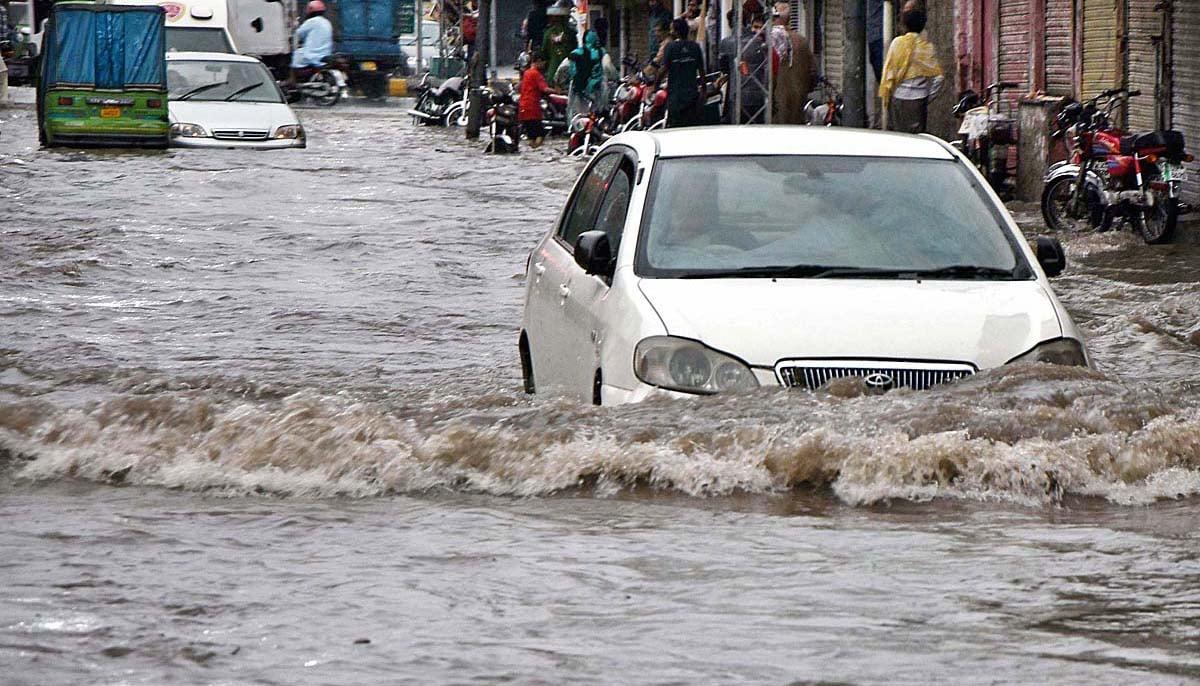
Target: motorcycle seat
[452, 84]
[1170, 142]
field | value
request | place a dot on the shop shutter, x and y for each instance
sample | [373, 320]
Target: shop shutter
[1186, 99]
[1141, 62]
[835, 44]
[1013, 57]
[1099, 47]
[1060, 47]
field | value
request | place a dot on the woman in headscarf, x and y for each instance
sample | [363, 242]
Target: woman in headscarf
[587, 81]
[911, 74]
[795, 68]
[559, 40]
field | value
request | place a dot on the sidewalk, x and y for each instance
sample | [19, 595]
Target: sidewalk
[21, 96]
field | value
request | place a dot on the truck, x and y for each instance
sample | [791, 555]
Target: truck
[367, 34]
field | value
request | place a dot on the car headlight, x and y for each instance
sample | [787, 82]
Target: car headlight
[680, 364]
[188, 131]
[1064, 351]
[290, 131]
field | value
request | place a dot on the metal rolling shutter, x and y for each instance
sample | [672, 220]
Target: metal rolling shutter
[1099, 47]
[1141, 62]
[835, 44]
[1014, 45]
[1186, 98]
[1060, 47]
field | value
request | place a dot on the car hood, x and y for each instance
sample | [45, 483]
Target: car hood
[232, 115]
[985, 323]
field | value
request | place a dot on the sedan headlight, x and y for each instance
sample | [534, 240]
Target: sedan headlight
[188, 131]
[292, 131]
[680, 364]
[1064, 351]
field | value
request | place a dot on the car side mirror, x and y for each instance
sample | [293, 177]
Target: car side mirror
[594, 254]
[1051, 256]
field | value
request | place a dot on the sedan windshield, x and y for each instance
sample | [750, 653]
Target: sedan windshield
[822, 217]
[221, 81]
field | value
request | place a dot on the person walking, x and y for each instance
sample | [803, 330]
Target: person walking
[657, 13]
[912, 75]
[587, 79]
[535, 25]
[529, 105]
[795, 68]
[751, 65]
[682, 64]
[559, 40]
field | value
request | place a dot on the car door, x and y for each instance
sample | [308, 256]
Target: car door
[586, 324]
[552, 273]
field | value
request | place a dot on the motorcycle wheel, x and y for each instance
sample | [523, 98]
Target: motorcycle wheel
[1157, 224]
[1056, 202]
[331, 94]
[454, 115]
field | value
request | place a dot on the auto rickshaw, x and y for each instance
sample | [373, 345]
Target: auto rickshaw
[102, 77]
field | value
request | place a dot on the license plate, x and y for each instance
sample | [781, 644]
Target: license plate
[1174, 173]
[110, 112]
[367, 66]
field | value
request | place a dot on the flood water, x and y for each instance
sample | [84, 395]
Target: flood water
[261, 423]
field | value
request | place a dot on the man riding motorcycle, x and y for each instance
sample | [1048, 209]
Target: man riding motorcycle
[314, 41]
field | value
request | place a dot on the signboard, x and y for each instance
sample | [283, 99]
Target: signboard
[406, 17]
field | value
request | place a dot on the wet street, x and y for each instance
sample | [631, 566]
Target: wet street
[261, 422]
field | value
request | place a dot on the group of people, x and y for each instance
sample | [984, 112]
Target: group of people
[909, 78]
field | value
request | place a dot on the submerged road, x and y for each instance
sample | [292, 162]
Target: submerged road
[261, 423]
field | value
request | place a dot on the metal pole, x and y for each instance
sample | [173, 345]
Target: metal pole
[478, 70]
[622, 41]
[420, 12]
[492, 40]
[854, 92]
[889, 32]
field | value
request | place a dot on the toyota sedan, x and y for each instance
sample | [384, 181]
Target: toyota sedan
[703, 261]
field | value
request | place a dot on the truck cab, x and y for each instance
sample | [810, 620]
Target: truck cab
[195, 25]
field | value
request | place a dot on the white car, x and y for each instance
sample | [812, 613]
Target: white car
[709, 260]
[227, 101]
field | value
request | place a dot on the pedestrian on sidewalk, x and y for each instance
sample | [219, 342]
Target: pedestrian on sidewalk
[559, 40]
[912, 75]
[682, 64]
[795, 68]
[529, 105]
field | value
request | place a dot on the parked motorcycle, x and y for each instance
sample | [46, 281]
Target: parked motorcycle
[501, 120]
[588, 132]
[826, 109]
[987, 133]
[554, 113]
[440, 103]
[1114, 174]
[627, 102]
[324, 86]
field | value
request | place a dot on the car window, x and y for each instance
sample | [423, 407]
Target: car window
[611, 219]
[220, 80]
[197, 40]
[762, 212]
[587, 198]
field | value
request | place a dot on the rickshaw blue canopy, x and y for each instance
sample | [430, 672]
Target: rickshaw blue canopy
[106, 46]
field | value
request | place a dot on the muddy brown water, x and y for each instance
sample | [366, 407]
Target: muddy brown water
[261, 423]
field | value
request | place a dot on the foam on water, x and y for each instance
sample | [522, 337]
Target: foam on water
[1027, 434]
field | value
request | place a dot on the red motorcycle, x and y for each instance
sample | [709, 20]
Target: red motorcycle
[1113, 174]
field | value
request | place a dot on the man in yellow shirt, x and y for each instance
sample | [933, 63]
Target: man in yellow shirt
[911, 74]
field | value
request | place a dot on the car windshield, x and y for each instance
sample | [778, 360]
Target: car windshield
[209, 81]
[197, 40]
[822, 216]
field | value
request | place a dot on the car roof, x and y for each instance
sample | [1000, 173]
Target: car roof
[209, 57]
[793, 140]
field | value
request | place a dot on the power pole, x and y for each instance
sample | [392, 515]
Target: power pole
[478, 67]
[854, 77]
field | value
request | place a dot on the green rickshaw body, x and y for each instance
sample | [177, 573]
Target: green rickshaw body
[103, 77]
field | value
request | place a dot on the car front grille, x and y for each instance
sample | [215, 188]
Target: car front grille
[878, 376]
[240, 134]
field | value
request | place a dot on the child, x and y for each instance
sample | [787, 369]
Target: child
[529, 108]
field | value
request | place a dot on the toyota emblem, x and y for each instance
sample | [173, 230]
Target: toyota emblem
[879, 382]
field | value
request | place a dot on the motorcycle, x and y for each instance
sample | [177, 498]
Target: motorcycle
[1114, 174]
[829, 111]
[324, 86]
[986, 135]
[440, 103]
[554, 113]
[588, 132]
[501, 120]
[627, 102]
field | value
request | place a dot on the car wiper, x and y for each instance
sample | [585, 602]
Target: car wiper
[201, 89]
[967, 271]
[243, 91]
[766, 271]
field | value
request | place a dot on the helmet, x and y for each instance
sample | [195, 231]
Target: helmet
[314, 6]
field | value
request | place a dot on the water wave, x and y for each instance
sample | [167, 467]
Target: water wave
[1028, 434]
